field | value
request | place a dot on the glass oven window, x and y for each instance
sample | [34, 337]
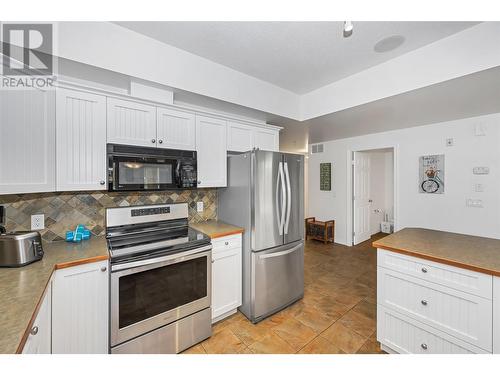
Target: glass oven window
[146, 294]
[137, 173]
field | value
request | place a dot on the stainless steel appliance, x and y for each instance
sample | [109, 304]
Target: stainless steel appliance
[20, 248]
[265, 195]
[132, 168]
[160, 279]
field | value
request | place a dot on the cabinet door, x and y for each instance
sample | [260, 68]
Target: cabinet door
[176, 129]
[81, 141]
[266, 139]
[226, 282]
[211, 148]
[39, 339]
[27, 141]
[80, 309]
[131, 123]
[240, 137]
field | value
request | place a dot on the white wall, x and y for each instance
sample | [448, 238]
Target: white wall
[412, 209]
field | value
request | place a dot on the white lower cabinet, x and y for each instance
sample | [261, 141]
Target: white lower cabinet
[80, 312]
[427, 307]
[40, 333]
[226, 276]
[496, 315]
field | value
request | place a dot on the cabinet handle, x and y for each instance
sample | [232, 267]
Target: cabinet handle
[104, 268]
[199, 182]
[213, 261]
[424, 270]
[34, 330]
[424, 346]
[102, 182]
[424, 302]
[226, 243]
[160, 141]
[153, 141]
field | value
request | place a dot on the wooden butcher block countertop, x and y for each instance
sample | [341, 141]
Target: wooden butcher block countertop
[478, 254]
[22, 288]
[216, 229]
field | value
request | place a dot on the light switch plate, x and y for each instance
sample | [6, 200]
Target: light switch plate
[199, 206]
[37, 222]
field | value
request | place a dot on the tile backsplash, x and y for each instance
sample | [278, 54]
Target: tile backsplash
[64, 210]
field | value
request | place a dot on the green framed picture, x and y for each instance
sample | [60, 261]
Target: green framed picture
[325, 176]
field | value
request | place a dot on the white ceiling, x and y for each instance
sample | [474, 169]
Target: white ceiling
[297, 56]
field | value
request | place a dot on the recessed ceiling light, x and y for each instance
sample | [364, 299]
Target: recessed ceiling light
[388, 44]
[348, 27]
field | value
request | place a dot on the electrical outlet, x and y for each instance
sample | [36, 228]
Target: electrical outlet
[37, 222]
[199, 206]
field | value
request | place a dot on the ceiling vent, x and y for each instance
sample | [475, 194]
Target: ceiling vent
[316, 149]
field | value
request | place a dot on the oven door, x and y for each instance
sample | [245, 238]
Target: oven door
[151, 293]
[132, 173]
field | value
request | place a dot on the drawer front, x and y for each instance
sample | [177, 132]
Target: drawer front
[458, 278]
[459, 314]
[227, 242]
[405, 335]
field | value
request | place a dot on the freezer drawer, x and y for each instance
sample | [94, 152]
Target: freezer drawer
[278, 278]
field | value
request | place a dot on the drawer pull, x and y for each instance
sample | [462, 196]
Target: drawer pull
[424, 346]
[424, 270]
[226, 243]
[34, 330]
[424, 302]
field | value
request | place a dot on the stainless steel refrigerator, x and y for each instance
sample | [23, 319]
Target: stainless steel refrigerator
[265, 196]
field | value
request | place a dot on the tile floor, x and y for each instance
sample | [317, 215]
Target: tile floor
[337, 314]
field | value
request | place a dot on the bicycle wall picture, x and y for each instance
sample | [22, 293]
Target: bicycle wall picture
[431, 174]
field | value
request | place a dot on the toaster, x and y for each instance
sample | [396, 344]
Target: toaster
[20, 248]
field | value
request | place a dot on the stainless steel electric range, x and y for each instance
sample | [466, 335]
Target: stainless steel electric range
[160, 279]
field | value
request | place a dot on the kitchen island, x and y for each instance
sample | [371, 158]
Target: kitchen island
[438, 292]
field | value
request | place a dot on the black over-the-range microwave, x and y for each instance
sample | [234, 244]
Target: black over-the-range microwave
[133, 168]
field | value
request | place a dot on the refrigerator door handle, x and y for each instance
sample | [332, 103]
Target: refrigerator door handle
[289, 198]
[280, 217]
[280, 253]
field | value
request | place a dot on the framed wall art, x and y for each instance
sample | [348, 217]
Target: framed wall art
[325, 176]
[431, 179]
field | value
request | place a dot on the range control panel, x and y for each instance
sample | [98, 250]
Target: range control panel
[150, 211]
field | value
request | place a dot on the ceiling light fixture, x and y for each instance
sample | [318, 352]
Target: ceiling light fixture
[348, 27]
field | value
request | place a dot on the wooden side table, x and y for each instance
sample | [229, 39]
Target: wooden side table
[320, 230]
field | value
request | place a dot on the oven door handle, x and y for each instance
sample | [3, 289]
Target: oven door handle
[160, 260]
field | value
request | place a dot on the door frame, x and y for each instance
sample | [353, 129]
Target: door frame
[350, 187]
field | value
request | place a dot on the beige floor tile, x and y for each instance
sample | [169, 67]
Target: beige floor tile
[248, 332]
[316, 319]
[359, 323]
[320, 346]
[223, 342]
[367, 309]
[371, 346]
[295, 333]
[344, 338]
[197, 349]
[271, 344]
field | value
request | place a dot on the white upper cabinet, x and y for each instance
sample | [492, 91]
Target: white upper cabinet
[266, 139]
[131, 123]
[80, 315]
[27, 141]
[211, 149]
[239, 137]
[81, 141]
[176, 129]
[242, 137]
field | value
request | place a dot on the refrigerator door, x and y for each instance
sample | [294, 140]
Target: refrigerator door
[278, 279]
[293, 166]
[268, 186]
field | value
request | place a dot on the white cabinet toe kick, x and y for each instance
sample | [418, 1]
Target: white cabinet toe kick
[425, 307]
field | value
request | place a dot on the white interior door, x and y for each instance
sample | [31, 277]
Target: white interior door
[362, 201]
